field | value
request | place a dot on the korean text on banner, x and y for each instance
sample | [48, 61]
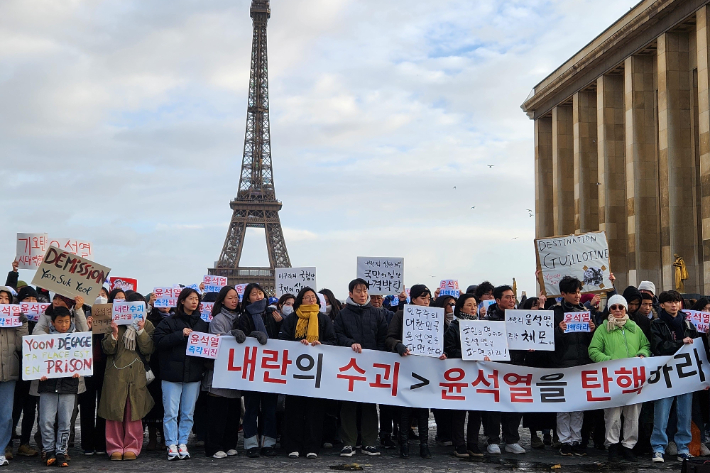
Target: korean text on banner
[449, 287]
[34, 309]
[204, 345]
[31, 248]
[10, 315]
[211, 280]
[73, 246]
[330, 372]
[206, 311]
[530, 329]
[101, 318]
[384, 275]
[584, 256]
[70, 275]
[483, 338]
[423, 330]
[165, 302]
[125, 284]
[125, 313]
[700, 319]
[57, 356]
[577, 322]
[292, 280]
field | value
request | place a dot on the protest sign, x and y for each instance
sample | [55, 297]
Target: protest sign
[584, 256]
[423, 330]
[206, 311]
[34, 309]
[10, 315]
[76, 247]
[577, 322]
[332, 372]
[240, 290]
[166, 292]
[700, 319]
[483, 307]
[101, 318]
[204, 345]
[530, 329]
[213, 283]
[292, 280]
[449, 287]
[70, 275]
[57, 355]
[384, 275]
[125, 313]
[483, 338]
[31, 248]
[124, 284]
[165, 302]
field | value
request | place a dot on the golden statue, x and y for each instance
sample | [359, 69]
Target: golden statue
[681, 273]
[515, 290]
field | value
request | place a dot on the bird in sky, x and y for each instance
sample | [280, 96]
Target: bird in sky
[529, 210]
[454, 187]
[490, 165]
[516, 238]
[473, 207]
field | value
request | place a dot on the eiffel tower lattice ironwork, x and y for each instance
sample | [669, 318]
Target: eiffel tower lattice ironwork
[255, 204]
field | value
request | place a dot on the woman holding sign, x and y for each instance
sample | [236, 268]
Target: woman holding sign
[125, 399]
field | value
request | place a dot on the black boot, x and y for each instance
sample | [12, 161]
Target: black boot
[424, 451]
[628, 454]
[403, 444]
[614, 453]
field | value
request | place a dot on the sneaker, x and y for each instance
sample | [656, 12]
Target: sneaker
[182, 452]
[62, 460]
[173, 452]
[493, 449]
[461, 451]
[127, 456]
[3, 461]
[657, 457]
[684, 456]
[327, 445]
[232, 452]
[219, 454]
[116, 457]
[579, 450]
[27, 451]
[371, 450]
[51, 459]
[474, 451]
[704, 450]
[347, 451]
[293, 455]
[514, 448]
[672, 449]
[536, 441]
[311, 456]
[566, 450]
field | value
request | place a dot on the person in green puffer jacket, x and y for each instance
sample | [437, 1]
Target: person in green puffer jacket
[620, 338]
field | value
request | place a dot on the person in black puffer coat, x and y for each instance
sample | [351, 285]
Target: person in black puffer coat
[181, 375]
[634, 299]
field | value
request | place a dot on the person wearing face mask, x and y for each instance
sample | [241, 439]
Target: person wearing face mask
[285, 305]
[332, 304]
[304, 415]
[261, 322]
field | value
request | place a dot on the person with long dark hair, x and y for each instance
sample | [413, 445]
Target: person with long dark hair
[284, 306]
[332, 304]
[181, 374]
[304, 415]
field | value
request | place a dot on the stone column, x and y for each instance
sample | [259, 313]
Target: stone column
[612, 174]
[544, 217]
[586, 201]
[563, 170]
[642, 207]
[676, 163]
[703, 58]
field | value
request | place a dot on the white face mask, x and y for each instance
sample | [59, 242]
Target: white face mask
[100, 300]
[287, 310]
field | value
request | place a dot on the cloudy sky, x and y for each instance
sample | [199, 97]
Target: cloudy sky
[122, 123]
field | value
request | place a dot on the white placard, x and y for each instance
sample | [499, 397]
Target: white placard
[31, 248]
[423, 330]
[481, 338]
[125, 313]
[292, 280]
[211, 280]
[10, 315]
[449, 287]
[206, 311]
[57, 356]
[240, 290]
[384, 275]
[530, 329]
[577, 322]
[203, 345]
[34, 309]
[700, 319]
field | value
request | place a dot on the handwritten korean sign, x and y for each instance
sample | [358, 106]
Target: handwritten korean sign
[423, 330]
[530, 329]
[577, 321]
[449, 287]
[384, 275]
[76, 247]
[292, 280]
[33, 309]
[125, 313]
[70, 275]
[700, 319]
[203, 345]
[57, 355]
[31, 248]
[481, 338]
[101, 318]
[10, 315]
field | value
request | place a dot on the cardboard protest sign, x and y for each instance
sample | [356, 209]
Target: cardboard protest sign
[57, 356]
[31, 248]
[384, 275]
[125, 284]
[577, 322]
[584, 256]
[530, 329]
[449, 287]
[101, 318]
[203, 345]
[76, 247]
[10, 315]
[125, 313]
[481, 338]
[34, 309]
[206, 311]
[700, 319]
[292, 280]
[70, 275]
[423, 330]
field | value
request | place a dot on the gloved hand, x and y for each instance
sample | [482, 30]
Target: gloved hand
[23, 318]
[401, 348]
[238, 335]
[260, 337]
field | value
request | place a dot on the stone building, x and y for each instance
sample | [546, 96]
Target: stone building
[622, 143]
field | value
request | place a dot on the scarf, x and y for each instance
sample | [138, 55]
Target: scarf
[613, 323]
[129, 338]
[307, 325]
[465, 316]
[255, 309]
[674, 323]
[352, 302]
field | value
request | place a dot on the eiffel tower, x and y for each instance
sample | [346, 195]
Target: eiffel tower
[255, 205]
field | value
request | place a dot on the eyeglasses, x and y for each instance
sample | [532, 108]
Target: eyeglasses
[617, 307]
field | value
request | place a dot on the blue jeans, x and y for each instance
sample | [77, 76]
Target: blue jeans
[7, 394]
[178, 399]
[661, 412]
[253, 403]
[60, 407]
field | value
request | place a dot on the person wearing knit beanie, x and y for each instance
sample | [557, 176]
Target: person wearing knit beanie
[647, 286]
[27, 292]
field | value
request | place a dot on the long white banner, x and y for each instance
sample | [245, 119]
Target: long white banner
[418, 381]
